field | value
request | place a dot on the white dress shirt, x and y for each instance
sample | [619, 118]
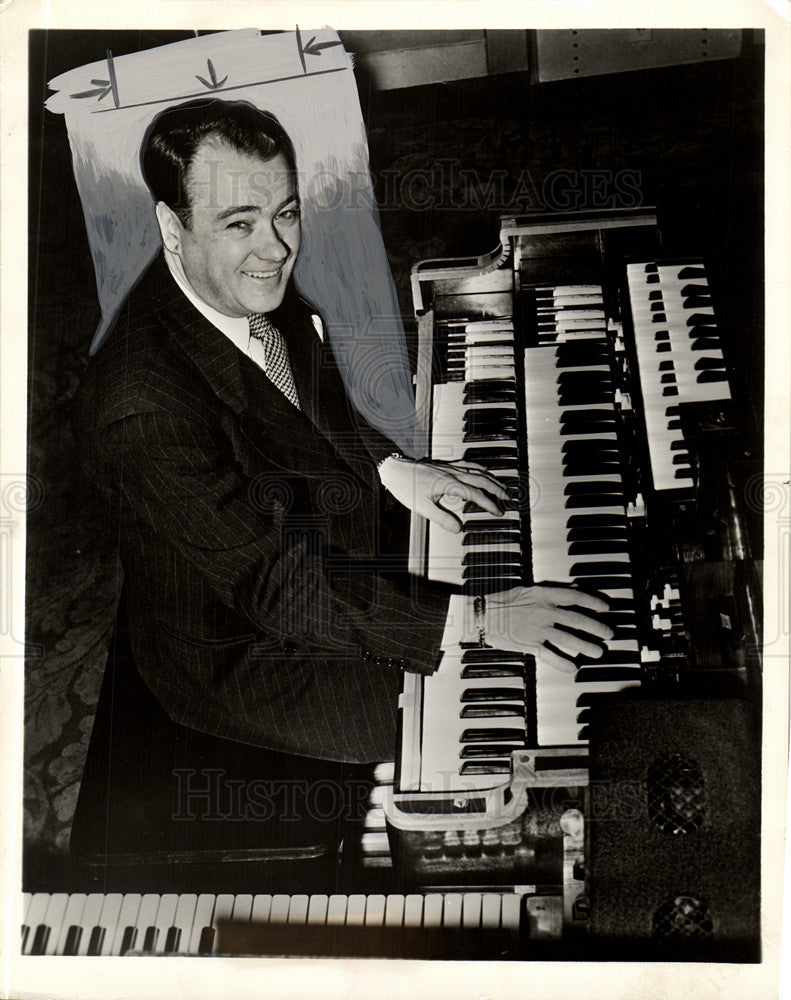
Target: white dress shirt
[235, 328]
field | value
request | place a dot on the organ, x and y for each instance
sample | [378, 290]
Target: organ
[583, 365]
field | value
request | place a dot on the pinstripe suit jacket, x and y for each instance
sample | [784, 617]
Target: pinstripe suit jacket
[260, 606]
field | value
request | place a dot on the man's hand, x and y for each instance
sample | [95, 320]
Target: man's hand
[525, 619]
[428, 488]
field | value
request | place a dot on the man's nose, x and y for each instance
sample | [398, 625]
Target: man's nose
[269, 246]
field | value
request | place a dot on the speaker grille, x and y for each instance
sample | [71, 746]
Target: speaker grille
[683, 918]
[676, 794]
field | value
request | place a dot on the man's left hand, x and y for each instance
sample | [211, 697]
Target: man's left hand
[430, 488]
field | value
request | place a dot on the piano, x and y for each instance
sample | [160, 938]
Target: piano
[581, 362]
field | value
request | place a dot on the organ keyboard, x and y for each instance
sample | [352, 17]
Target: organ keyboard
[431, 925]
[529, 359]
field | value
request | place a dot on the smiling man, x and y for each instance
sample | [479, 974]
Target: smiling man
[219, 436]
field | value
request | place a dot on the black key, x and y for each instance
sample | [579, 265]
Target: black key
[701, 319]
[662, 335]
[615, 658]
[607, 583]
[150, 939]
[666, 366]
[599, 547]
[492, 711]
[603, 486]
[703, 363]
[488, 524]
[588, 675]
[596, 521]
[668, 378]
[40, 940]
[662, 348]
[600, 569]
[492, 735]
[487, 750]
[592, 500]
[486, 767]
[482, 670]
[689, 290]
[697, 302]
[592, 468]
[595, 534]
[487, 456]
[670, 390]
[586, 416]
[691, 271]
[173, 940]
[487, 655]
[682, 458]
[705, 344]
[712, 376]
[502, 537]
[96, 940]
[73, 938]
[493, 694]
[588, 427]
[206, 943]
[128, 940]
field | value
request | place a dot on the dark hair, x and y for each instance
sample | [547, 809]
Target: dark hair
[175, 136]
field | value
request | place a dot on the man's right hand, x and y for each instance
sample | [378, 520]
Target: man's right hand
[525, 619]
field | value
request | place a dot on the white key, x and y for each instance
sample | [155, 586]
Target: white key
[36, 912]
[201, 921]
[223, 911]
[90, 918]
[71, 918]
[146, 919]
[355, 910]
[375, 911]
[183, 920]
[108, 921]
[127, 917]
[262, 907]
[336, 910]
[298, 910]
[317, 910]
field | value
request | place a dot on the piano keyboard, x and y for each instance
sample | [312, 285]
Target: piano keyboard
[679, 357]
[432, 924]
[478, 707]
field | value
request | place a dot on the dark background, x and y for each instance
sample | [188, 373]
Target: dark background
[693, 134]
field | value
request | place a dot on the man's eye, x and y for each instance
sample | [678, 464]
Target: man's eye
[240, 225]
[289, 215]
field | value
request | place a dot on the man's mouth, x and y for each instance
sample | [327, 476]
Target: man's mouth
[263, 274]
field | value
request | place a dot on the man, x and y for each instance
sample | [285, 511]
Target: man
[217, 429]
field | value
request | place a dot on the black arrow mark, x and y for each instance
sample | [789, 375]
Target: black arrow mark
[215, 83]
[313, 48]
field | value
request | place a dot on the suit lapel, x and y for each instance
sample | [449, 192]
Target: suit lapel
[311, 440]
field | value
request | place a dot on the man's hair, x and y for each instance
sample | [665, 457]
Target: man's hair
[176, 135]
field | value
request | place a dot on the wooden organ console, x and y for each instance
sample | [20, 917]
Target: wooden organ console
[583, 366]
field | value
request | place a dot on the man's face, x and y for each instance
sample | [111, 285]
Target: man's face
[244, 236]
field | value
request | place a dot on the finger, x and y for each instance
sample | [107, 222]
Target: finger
[553, 659]
[576, 620]
[570, 596]
[573, 645]
[442, 517]
[484, 481]
[479, 497]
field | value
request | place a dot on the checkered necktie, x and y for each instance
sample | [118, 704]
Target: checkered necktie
[278, 368]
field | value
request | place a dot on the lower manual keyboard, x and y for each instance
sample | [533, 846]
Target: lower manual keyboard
[416, 925]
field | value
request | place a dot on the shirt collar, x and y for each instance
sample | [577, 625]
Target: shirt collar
[235, 327]
[232, 326]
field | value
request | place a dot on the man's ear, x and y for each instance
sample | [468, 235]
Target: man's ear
[170, 227]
